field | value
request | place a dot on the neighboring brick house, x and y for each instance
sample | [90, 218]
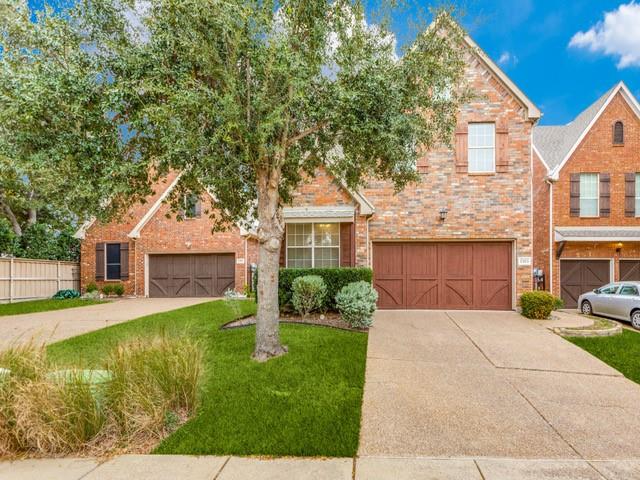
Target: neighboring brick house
[461, 237]
[587, 197]
[153, 254]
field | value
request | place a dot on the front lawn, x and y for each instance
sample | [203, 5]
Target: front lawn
[33, 306]
[622, 351]
[304, 403]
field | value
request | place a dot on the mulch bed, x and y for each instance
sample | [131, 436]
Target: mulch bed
[329, 319]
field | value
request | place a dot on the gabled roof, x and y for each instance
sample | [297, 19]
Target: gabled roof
[533, 112]
[556, 144]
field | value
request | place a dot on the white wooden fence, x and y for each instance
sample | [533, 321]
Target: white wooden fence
[24, 279]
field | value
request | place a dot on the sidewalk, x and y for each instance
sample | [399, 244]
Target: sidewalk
[175, 467]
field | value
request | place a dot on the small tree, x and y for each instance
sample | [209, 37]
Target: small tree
[241, 96]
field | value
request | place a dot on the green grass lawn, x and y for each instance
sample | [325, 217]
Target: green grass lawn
[622, 351]
[304, 403]
[32, 306]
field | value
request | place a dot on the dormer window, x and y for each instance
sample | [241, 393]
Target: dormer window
[618, 133]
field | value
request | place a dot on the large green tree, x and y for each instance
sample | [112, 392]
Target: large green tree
[242, 96]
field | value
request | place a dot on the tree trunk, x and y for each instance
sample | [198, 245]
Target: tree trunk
[17, 229]
[33, 216]
[270, 232]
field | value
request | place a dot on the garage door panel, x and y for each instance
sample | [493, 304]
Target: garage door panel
[458, 293]
[422, 293]
[580, 276]
[197, 275]
[390, 292]
[629, 270]
[462, 275]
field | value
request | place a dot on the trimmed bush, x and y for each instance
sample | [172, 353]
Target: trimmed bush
[357, 303]
[539, 304]
[91, 287]
[118, 289]
[113, 289]
[334, 278]
[309, 293]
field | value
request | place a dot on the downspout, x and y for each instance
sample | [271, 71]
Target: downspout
[246, 261]
[367, 246]
[551, 253]
[135, 268]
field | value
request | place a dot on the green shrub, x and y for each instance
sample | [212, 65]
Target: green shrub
[356, 303]
[538, 304]
[559, 303]
[113, 289]
[334, 278]
[66, 294]
[107, 289]
[91, 287]
[118, 289]
[309, 293]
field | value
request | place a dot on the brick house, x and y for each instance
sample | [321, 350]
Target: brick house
[586, 197]
[461, 237]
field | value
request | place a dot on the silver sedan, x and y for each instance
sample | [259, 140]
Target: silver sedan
[619, 300]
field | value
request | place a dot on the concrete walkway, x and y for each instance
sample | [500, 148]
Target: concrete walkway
[491, 384]
[170, 467]
[57, 325]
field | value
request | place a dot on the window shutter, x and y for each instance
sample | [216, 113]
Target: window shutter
[198, 208]
[347, 244]
[100, 261]
[462, 154]
[574, 202]
[630, 195]
[605, 194]
[502, 147]
[124, 261]
[283, 249]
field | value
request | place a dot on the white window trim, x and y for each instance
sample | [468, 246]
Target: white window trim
[312, 246]
[597, 215]
[106, 270]
[469, 148]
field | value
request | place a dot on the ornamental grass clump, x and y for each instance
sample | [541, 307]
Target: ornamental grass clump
[149, 388]
[153, 381]
[308, 294]
[356, 303]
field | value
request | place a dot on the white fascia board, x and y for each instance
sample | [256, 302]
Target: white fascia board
[135, 233]
[541, 158]
[82, 231]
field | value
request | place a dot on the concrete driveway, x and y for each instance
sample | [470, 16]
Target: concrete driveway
[50, 327]
[491, 384]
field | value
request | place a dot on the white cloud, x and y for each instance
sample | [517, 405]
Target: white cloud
[507, 58]
[618, 35]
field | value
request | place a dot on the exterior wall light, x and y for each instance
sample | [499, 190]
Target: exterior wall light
[443, 214]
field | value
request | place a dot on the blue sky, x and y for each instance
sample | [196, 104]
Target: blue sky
[562, 54]
[530, 39]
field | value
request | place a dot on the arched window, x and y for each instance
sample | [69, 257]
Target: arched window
[618, 133]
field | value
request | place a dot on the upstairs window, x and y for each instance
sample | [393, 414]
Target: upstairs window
[482, 148]
[618, 133]
[191, 208]
[589, 194]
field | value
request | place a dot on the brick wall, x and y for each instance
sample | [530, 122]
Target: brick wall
[597, 154]
[541, 218]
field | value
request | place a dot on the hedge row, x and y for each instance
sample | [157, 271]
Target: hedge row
[334, 278]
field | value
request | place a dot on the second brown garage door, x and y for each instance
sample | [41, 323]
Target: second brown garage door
[207, 275]
[629, 270]
[580, 276]
[462, 275]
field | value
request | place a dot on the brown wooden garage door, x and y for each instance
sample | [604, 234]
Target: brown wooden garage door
[629, 270]
[580, 276]
[207, 275]
[463, 275]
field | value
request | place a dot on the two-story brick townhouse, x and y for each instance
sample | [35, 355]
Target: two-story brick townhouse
[461, 237]
[587, 197]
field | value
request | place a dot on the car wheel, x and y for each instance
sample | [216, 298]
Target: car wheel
[585, 308]
[635, 319]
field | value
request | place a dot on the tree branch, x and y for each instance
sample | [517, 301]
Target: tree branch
[17, 229]
[306, 133]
